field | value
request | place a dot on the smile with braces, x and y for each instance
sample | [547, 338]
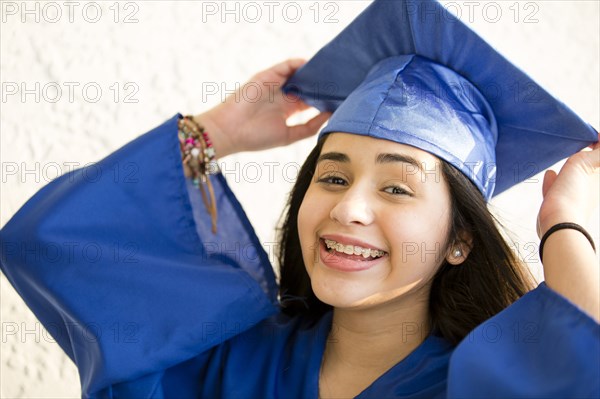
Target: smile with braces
[354, 249]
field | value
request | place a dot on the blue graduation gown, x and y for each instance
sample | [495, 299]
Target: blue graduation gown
[118, 261]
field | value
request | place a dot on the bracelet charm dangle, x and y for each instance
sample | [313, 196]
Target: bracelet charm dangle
[198, 155]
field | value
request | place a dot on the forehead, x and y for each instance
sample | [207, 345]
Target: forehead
[362, 148]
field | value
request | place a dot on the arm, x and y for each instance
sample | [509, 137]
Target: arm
[157, 290]
[570, 264]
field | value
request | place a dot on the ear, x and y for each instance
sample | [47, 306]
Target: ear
[459, 250]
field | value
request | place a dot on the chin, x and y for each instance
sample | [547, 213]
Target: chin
[352, 294]
[342, 293]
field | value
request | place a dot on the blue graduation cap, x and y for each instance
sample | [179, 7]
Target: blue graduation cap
[410, 72]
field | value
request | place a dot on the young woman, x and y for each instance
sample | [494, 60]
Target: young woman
[395, 281]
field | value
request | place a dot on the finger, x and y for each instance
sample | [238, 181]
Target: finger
[293, 104]
[596, 145]
[311, 127]
[591, 159]
[286, 68]
[289, 66]
[587, 160]
[549, 178]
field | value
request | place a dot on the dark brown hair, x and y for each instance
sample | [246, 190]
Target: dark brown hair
[462, 296]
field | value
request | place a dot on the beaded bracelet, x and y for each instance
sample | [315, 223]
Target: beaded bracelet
[198, 154]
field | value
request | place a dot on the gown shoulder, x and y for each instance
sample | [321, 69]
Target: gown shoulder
[125, 273]
[541, 346]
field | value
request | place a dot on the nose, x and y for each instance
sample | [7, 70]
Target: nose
[354, 207]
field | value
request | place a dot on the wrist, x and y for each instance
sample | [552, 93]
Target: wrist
[215, 132]
[546, 221]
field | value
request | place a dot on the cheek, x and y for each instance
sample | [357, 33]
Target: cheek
[310, 215]
[417, 240]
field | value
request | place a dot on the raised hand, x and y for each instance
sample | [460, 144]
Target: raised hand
[259, 121]
[573, 194]
[570, 265]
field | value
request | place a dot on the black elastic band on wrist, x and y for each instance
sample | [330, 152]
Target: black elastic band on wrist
[561, 226]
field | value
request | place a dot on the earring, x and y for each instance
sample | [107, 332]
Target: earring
[457, 253]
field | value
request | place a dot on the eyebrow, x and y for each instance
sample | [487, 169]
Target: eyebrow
[381, 158]
[334, 156]
[394, 157]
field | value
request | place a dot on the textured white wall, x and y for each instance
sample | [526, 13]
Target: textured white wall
[165, 54]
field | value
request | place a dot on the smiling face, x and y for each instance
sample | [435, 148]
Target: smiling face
[373, 224]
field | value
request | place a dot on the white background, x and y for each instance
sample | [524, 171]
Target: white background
[165, 55]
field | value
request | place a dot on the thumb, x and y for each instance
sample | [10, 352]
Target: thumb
[309, 128]
[549, 178]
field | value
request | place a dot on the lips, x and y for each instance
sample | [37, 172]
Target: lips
[345, 254]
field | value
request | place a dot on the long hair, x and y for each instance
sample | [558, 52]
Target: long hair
[462, 296]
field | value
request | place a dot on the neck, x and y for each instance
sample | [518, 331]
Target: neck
[363, 344]
[377, 338]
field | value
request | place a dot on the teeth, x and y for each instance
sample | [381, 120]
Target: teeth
[353, 249]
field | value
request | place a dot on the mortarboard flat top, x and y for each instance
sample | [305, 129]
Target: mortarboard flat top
[410, 72]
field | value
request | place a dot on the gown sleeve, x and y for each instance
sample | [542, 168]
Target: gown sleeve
[119, 263]
[542, 346]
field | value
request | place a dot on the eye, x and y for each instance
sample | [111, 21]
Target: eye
[332, 180]
[397, 190]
